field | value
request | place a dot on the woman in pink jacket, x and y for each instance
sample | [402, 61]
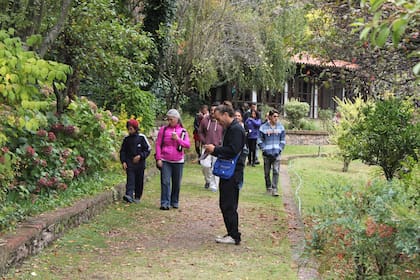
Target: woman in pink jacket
[170, 144]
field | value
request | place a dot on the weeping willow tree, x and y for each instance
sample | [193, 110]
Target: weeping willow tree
[211, 43]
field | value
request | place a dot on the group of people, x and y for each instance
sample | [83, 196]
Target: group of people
[219, 133]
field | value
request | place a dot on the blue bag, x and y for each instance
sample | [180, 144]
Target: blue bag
[224, 168]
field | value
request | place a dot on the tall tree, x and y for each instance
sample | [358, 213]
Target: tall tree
[214, 42]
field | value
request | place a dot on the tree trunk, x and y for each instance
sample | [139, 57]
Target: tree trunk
[55, 31]
[346, 164]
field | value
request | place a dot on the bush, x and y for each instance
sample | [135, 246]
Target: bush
[388, 134]
[295, 111]
[369, 232]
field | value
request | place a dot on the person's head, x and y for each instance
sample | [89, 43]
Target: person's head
[253, 106]
[273, 116]
[253, 114]
[228, 103]
[204, 109]
[132, 126]
[224, 115]
[238, 115]
[212, 108]
[173, 117]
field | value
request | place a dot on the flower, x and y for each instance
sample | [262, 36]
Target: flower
[42, 133]
[5, 149]
[114, 119]
[66, 153]
[69, 129]
[51, 136]
[30, 151]
[48, 150]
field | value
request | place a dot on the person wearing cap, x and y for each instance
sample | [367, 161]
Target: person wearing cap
[171, 141]
[133, 153]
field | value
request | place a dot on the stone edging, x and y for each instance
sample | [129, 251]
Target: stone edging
[33, 235]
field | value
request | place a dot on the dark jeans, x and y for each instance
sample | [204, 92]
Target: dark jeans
[135, 180]
[171, 172]
[228, 203]
[252, 146]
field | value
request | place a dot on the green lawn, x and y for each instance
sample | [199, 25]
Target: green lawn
[309, 175]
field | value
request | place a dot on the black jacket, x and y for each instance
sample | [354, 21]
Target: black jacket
[233, 143]
[133, 145]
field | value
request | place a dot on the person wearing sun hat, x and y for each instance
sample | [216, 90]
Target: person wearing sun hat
[133, 153]
[171, 141]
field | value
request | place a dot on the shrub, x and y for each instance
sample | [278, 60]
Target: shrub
[295, 111]
[370, 231]
[388, 134]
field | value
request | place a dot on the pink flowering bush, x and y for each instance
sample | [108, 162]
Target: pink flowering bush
[83, 140]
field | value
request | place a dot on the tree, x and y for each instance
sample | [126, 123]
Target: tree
[387, 69]
[344, 135]
[212, 43]
[388, 134]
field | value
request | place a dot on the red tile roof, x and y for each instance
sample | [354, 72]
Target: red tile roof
[314, 61]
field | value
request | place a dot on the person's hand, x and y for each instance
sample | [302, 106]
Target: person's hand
[124, 165]
[174, 136]
[209, 148]
[136, 159]
[159, 163]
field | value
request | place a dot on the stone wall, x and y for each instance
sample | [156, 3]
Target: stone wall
[307, 137]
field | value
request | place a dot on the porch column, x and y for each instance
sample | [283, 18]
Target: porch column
[316, 101]
[311, 100]
[254, 95]
[286, 96]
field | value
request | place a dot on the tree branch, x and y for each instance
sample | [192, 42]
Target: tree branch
[55, 31]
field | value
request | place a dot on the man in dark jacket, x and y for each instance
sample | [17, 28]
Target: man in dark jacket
[232, 144]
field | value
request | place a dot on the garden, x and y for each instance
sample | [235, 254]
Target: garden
[73, 72]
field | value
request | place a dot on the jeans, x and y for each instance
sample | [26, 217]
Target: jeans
[171, 172]
[271, 163]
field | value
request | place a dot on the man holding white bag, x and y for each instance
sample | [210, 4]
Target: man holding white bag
[210, 131]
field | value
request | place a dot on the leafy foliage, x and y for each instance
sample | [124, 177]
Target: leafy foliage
[344, 136]
[295, 111]
[371, 231]
[388, 134]
[212, 43]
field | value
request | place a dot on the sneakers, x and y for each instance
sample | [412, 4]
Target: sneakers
[269, 191]
[136, 200]
[274, 192]
[128, 199]
[226, 240]
[164, 208]
[206, 185]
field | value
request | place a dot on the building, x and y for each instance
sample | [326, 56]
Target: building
[316, 82]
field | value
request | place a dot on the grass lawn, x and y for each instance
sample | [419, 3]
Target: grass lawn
[309, 175]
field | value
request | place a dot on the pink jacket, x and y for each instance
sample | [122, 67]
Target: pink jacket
[168, 150]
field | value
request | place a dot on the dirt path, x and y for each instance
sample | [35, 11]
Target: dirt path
[181, 241]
